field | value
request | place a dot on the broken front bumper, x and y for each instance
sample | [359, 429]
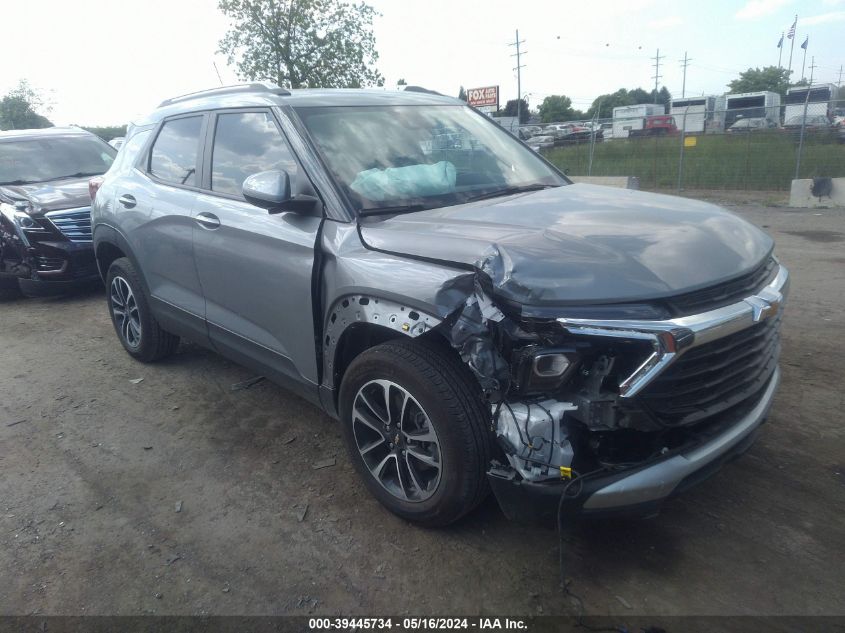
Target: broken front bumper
[638, 491]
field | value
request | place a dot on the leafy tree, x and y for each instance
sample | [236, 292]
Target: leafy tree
[107, 132]
[302, 43]
[604, 104]
[556, 108]
[18, 109]
[462, 94]
[401, 82]
[511, 110]
[770, 78]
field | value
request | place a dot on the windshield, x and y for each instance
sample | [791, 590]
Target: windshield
[810, 120]
[51, 158]
[421, 156]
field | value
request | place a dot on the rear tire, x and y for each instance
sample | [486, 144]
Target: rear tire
[440, 441]
[136, 327]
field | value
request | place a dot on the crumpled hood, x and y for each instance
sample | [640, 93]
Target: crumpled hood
[581, 243]
[49, 196]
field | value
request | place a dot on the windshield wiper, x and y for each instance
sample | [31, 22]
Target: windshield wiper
[19, 181]
[508, 191]
[79, 174]
[399, 208]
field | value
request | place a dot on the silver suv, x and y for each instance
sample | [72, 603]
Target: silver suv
[472, 318]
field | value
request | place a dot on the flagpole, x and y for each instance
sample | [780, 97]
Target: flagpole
[780, 49]
[803, 63]
[791, 47]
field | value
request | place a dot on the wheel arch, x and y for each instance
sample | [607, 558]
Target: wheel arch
[109, 245]
[356, 323]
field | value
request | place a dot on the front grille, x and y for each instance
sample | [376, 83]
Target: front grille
[724, 294]
[75, 224]
[715, 377]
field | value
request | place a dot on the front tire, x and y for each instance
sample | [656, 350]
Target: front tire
[136, 327]
[417, 430]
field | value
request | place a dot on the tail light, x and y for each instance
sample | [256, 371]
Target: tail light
[94, 186]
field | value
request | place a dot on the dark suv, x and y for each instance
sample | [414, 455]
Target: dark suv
[473, 318]
[45, 208]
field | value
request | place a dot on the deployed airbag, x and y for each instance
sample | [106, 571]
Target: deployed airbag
[413, 181]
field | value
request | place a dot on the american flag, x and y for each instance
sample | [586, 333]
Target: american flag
[791, 32]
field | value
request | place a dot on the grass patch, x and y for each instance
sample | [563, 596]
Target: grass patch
[763, 161]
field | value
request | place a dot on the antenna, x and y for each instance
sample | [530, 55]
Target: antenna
[213, 63]
[518, 69]
[657, 75]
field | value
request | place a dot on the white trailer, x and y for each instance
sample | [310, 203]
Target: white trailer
[631, 118]
[752, 105]
[693, 114]
[819, 98]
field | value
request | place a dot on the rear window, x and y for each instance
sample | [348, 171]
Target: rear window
[174, 155]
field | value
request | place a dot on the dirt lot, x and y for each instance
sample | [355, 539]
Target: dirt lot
[94, 466]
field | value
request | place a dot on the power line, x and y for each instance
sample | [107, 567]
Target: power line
[518, 69]
[657, 75]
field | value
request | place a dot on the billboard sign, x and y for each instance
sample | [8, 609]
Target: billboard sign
[480, 97]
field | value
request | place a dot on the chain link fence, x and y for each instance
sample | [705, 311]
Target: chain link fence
[758, 148]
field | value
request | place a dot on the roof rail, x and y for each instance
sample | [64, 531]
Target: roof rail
[256, 86]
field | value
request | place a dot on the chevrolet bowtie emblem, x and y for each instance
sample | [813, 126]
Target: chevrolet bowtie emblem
[762, 308]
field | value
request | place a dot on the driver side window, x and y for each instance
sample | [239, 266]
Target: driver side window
[247, 143]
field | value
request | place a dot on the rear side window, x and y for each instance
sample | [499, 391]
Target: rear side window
[174, 155]
[247, 143]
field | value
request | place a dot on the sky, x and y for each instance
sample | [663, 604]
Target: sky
[107, 62]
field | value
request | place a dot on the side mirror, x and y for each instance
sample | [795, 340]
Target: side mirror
[267, 189]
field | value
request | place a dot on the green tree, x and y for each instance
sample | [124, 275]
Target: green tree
[462, 94]
[770, 78]
[107, 132]
[18, 109]
[302, 43]
[556, 108]
[401, 82]
[511, 110]
[603, 104]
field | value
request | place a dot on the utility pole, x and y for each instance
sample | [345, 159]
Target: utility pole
[657, 75]
[839, 83]
[518, 69]
[684, 64]
[812, 68]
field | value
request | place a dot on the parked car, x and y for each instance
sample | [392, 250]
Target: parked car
[117, 143]
[750, 124]
[45, 222]
[543, 141]
[472, 318]
[654, 125]
[812, 122]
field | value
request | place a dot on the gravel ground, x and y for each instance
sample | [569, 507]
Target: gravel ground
[173, 494]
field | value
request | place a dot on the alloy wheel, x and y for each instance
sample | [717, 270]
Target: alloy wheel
[125, 312]
[396, 440]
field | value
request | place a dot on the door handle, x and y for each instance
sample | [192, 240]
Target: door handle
[127, 200]
[208, 221]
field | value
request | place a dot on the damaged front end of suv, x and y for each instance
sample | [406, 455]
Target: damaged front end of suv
[612, 409]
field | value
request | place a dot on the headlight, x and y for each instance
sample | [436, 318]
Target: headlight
[24, 221]
[544, 370]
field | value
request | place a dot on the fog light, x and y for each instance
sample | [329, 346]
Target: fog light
[550, 365]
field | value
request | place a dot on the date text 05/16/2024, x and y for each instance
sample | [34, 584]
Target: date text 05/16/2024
[416, 624]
